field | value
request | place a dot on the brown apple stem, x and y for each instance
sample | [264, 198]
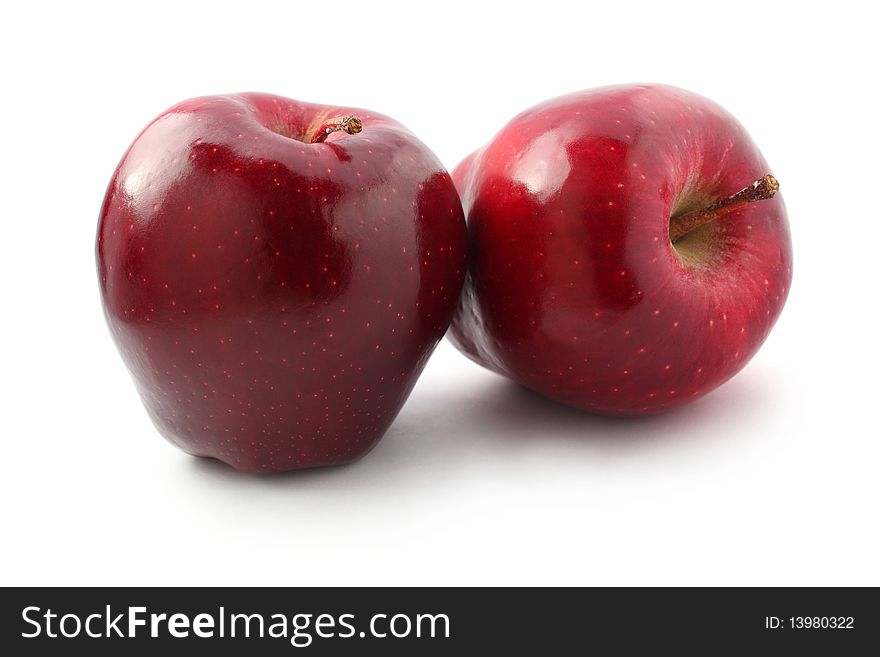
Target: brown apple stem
[348, 124]
[760, 190]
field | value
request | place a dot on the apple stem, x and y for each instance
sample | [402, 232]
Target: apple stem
[763, 188]
[348, 124]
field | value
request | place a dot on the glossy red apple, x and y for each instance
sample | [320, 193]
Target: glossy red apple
[276, 274]
[613, 265]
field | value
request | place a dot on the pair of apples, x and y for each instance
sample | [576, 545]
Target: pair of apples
[276, 274]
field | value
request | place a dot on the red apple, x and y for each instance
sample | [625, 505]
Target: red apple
[613, 265]
[276, 274]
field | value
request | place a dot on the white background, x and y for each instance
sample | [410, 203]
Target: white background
[772, 479]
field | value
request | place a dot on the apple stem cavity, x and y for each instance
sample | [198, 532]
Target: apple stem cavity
[762, 189]
[349, 124]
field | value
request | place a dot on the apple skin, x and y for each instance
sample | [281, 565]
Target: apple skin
[574, 288]
[276, 300]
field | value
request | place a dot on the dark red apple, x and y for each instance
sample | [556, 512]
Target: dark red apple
[613, 265]
[276, 274]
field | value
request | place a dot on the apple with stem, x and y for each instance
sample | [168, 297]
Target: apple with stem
[276, 274]
[628, 250]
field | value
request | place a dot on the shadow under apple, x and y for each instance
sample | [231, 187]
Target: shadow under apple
[443, 435]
